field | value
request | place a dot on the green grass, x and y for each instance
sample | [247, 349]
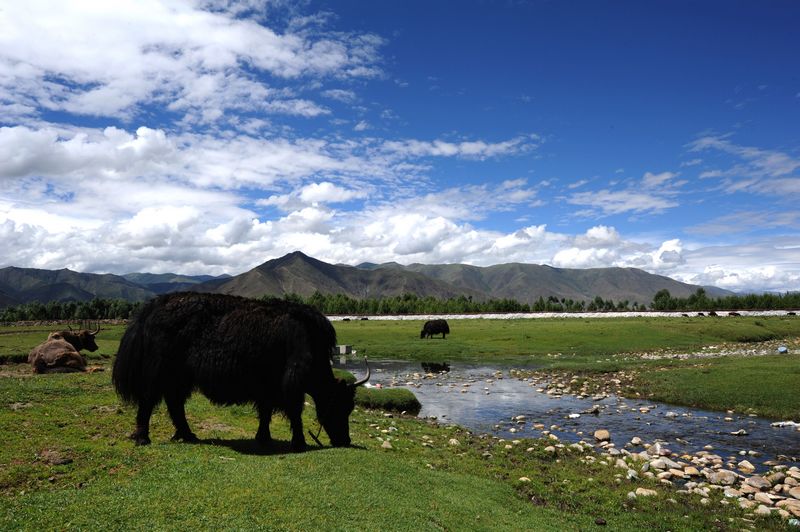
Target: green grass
[761, 385]
[578, 341]
[422, 483]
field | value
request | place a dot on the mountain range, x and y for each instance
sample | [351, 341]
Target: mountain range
[300, 274]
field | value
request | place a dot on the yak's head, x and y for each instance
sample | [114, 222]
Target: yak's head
[81, 339]
[334, 412]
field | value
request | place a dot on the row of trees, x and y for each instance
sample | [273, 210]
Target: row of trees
[98, 309]
[699, 301]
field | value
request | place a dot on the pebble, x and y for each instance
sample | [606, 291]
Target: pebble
[602, 435]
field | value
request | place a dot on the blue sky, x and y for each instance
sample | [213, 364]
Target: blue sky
[211, 136]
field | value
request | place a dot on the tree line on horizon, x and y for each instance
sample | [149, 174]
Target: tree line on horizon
[341, 304]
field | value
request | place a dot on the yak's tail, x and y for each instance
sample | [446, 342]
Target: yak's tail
[134, 376]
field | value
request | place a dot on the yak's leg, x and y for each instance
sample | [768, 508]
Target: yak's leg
[294, 411]
[142, 433]
[263, 436]
[177, 412]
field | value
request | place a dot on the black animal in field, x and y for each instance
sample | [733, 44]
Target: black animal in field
[432, 327]
[235, 351]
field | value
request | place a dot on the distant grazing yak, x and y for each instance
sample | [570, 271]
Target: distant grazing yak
[235, 351]
[434, 327]
[60, 353]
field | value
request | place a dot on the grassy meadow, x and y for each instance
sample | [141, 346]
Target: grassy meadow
[66, 462]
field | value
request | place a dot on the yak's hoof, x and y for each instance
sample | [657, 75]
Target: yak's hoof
[186, 437]
[140, 439]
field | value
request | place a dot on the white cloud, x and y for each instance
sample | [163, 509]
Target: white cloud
[608, 202]
[327, 192]
[760, 171]
[108, 59]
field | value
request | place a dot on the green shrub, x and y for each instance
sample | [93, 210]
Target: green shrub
[390, 399]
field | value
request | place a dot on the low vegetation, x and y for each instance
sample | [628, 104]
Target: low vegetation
[66, 461]
[405, 304]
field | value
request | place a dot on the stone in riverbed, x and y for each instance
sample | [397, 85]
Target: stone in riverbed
[795, 492]
[602, 435]
[723, 477]
[790, 505]
[758, 482]
[746, 466]
[762, 510]
[763, 498]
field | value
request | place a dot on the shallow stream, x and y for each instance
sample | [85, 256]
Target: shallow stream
[487, 399]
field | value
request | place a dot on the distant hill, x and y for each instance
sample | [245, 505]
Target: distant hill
[24, 285]
[303, 275]
[300, 274]
[528, 282]
[162, 283]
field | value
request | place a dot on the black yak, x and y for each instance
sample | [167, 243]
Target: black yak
[60, 353]
[235, 351]
[434, 327]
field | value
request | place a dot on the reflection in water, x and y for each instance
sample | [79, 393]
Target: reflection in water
[435, 367]
[486, 399]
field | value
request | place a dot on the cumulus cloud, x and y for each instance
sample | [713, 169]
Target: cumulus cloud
[115, 57]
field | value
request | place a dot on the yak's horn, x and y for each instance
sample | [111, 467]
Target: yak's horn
[94, 333]
[365, 379]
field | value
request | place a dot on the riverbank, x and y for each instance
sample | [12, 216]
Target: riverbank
[66, 456]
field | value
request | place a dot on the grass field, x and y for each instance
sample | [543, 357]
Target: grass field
[66, 462]
[579, 341]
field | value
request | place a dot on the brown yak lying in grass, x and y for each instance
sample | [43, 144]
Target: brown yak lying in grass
[60, 353]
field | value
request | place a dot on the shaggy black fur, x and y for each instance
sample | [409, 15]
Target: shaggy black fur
[434, 327]
[235, 351]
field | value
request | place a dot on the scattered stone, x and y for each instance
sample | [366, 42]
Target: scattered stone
[602, 435]
[762, 510]
[746, 466]
[691, 471]
[454, 442]
[645, 492]
[732, 493]
[723, 477]
[636, 440]
[386, 445]
[758, 482]
[524, 479]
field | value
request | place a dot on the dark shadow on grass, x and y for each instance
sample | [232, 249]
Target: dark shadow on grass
[252, 447]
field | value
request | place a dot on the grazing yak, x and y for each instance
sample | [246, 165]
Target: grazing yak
[434, 327]
[235, 351]
[60, 353]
